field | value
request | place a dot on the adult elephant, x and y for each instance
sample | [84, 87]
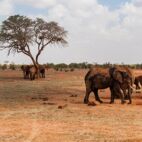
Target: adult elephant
[26, 71]
[29, 71]
[95, 79]
[32, 72]
[138, 82]
[122, 82]
[42, 71]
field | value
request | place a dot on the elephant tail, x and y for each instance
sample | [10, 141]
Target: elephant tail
[87, 76]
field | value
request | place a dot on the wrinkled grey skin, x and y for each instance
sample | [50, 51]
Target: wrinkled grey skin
[26, 71]
[122, 81]
[95, 79]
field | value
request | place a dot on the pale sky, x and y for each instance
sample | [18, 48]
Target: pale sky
[98, 30]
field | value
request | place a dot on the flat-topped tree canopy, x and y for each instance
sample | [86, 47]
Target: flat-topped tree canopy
[19, 33]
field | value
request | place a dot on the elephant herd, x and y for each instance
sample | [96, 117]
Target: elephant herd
[118, 79]
[30, 72]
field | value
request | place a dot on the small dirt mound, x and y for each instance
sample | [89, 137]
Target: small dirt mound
[40, 98]
[138, 103]
[73, 95]
[62, 106]
[45, 99]
[46, 103]
[91, 104]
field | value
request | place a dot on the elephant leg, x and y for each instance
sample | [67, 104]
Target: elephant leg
[121, 93]
[31, 76]
[43, 75]
[27, 75]
[35, 75]
[97, 96]
[88, 91]
[86, 98]
[126, 94]
[24, 74]
[129, 95]
[118, 90]
[112, 96]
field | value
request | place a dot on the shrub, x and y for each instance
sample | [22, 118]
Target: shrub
[12, 67]
[4, 67]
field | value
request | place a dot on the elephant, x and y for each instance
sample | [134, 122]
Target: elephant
[95, 79]
[26, 71]
[42, 71]
[138, 82]
[118, 79]
[122, 81]
[32, 72]
[29, 71]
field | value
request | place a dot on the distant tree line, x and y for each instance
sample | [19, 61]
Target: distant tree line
[69, 67]
[85, 65]
[9, 66]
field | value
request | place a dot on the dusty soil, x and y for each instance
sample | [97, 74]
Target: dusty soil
[52, 110]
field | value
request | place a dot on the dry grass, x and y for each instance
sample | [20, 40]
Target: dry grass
[30, 111]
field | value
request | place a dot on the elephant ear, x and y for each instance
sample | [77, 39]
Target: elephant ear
[117, 75]
[125, 75]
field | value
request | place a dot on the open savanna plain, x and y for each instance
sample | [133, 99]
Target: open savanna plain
[52, 110]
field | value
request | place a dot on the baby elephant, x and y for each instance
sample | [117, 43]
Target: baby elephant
[26, 71]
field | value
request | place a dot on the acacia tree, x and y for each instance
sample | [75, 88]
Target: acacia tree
[19, 34]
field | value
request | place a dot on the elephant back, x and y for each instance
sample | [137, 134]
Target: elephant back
[32, 69]
[42, 68]
[96, 70]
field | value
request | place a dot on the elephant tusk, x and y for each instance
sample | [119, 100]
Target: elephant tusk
[132, 87]
[139, 84]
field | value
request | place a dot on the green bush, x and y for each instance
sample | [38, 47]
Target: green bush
[4, 66]
[12, 67]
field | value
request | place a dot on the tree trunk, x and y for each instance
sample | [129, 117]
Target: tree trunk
[36, 65]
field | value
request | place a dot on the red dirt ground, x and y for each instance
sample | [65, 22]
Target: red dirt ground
[52, 110]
